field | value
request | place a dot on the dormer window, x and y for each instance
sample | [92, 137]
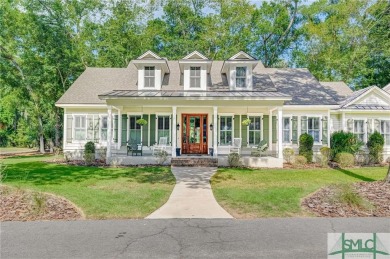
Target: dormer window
[149, 77]
[195, 77]
[241, 77]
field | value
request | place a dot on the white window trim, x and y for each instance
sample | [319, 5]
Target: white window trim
[145, 76]
[100, 115]
[199, 77]
[320, 125]
[128, 124]
[380, 127]
[170, 127]
[246, 77]
[261, 127]
[219, 128]
[364, 128]
[290, 130]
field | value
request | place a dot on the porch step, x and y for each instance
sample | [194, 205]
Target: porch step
[194, 161]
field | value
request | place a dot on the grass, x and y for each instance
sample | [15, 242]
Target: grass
[102, 193]
[249, 193]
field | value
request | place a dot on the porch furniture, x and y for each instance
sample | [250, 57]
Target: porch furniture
[134, 148]
[260, 148]
[162, 145]
[236, 147]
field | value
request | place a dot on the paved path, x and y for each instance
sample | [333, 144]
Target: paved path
[179, 238]
[192, 196]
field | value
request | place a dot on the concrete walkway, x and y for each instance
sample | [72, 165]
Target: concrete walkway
[192, 196]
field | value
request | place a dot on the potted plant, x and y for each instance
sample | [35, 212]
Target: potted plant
[141, 122]
[246, 122]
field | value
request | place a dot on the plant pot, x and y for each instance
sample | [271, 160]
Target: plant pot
[177, 151]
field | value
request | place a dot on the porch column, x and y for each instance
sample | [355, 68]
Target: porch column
[119, 128]
[280, 133]
[215, 131]
[270, 130]
[343, 121]
[109, 131]
[174, 139]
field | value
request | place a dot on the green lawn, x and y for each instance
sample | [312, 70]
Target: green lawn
[249, 193]
[102, 193]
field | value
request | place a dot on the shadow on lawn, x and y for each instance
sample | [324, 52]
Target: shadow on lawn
[354, 175]
[40, 173]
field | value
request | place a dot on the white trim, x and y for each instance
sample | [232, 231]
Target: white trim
[151, 53]
[195, 53]
[81, 105]
[381, 92]
[234, 57]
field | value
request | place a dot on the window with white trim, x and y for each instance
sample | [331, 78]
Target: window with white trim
[313, 128]
[286, 129]
[195, 77]
[254, 130]
[241, 77]
[358, 129]
[163, 128]
[225, 130]
[104, 126]
[135, 131]
[385, 131]
[93, 128]
[149, 77]
[79, 127]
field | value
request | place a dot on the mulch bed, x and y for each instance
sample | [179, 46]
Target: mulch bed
[324, 204]
[21, 205]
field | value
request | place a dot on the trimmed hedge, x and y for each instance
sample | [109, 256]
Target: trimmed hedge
[306, 146]
[345, 159]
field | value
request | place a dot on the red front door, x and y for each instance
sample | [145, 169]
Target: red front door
[194, 133]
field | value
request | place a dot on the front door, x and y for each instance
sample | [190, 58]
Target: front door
[194, 133]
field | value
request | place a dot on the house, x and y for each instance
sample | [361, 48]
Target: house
[198, 105]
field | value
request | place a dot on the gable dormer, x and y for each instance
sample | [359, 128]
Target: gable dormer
[239, 70]
[151, 71]
[195, 68]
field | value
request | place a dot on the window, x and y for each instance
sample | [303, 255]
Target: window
[358, 129]
[286, 129]
[195, 77]
[225, 130]
[79, 127]
[241, 77]
[254, 130]
[103, 132]
[163, 127]
[313, 128]
[385, 131]
[149, 77]
[135, 130]
[93, 128]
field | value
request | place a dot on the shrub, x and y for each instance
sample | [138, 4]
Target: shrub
[375, 146]
[89, 147]
[300, 161]
[89, 152]
[288, 154]
[341, 141]
[306, 146]
[161, 156]
[345, 159]
[234, 160]
[325, 156]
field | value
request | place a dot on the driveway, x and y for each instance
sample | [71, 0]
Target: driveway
[179, 238]
[192, 196]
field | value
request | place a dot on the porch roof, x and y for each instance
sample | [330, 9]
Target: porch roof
[261, 95]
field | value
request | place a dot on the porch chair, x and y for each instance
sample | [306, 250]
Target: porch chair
[162, 145]
[134, 148]
[236, 147]
[260, 148]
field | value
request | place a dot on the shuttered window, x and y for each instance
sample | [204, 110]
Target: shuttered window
[93, 128]
[195, 77]
[79, 127]
[225, 130]
[149, 77]
[286, 129]
[313, 128]
[103, 131]
[358, 129]
[254, 130]
[385, 131]
[163, 128]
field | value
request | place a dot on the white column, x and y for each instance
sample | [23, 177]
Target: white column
[280, 133]
[328, 129]
[343, 121]
[128, 129]
[109, 131]
[119, 128]
[270, 131]
[242, 141]
[215, 131]
[174, 139]
[149, 130]
[65, 137]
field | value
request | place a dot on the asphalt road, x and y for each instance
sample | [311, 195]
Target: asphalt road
[179, 238]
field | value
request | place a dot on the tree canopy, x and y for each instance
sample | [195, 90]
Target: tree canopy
[46, 44]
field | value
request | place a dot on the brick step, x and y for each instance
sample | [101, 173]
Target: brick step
[194, 162]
